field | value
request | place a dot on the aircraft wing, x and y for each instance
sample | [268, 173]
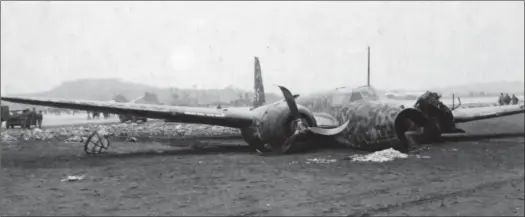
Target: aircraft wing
[212, 116]
[473, 114]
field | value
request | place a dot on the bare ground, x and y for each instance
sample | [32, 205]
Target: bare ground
[484, 177]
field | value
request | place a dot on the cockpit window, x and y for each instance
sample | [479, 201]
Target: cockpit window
[367, 92]
[356, 95]
[340, 99]
[346, 95]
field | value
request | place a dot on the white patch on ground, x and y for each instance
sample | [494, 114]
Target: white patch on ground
[73, 178]
[423, 157]
[379, 156]
[320, 161]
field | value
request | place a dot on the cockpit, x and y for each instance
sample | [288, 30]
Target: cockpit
[344, 95]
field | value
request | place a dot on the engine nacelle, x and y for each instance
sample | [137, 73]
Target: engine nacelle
[273, 126]
[437, 112]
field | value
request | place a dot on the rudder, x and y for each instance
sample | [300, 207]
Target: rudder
[259, 98]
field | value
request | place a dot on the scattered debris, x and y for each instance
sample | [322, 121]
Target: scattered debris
[321, 161]
[7, 138]
[74, 139]
[73, 178]
[379, 156]
[131, 139]
[423, 157]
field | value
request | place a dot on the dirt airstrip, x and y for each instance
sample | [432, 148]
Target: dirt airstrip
[482, 177]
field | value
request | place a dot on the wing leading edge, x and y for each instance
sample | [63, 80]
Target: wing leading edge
[480, 113]
[197, 115]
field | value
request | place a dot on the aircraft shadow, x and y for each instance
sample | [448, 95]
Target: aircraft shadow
[475, 137]
[218, 149]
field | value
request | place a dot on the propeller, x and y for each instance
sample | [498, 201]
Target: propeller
[299, 124]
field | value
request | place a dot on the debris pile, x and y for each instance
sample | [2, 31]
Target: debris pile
[128, 131]
[379, 156]
[6, 137]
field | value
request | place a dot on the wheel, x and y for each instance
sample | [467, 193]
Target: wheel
[253, 141]
[96, 143]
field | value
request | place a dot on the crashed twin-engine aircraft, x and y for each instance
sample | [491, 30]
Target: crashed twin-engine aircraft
[292, 124]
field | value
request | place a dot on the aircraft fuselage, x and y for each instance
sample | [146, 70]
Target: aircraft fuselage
[373, 125]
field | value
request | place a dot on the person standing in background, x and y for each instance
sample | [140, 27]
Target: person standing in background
[507, 99]
[514, 100]
[39, 118]
[501, 99]
[31, 118]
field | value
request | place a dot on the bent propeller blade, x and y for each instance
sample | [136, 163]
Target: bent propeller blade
[329, 132]
[289, 98]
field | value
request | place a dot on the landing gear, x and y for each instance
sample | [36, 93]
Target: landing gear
[96, 143]
[254, 142]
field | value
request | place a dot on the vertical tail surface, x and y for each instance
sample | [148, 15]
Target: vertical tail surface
[259, 99]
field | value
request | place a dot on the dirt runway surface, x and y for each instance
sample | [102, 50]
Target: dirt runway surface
[482, 177]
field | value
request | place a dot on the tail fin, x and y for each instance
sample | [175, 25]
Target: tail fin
[259, 99]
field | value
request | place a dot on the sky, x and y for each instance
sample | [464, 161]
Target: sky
[306, 46]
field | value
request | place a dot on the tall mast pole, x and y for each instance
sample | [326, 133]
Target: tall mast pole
[368, 81]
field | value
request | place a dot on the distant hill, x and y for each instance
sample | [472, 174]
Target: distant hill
[108, 89]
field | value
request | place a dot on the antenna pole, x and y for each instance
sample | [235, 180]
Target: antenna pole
[368, 81]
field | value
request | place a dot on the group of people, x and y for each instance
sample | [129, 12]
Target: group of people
[505, 99]
[33, 117]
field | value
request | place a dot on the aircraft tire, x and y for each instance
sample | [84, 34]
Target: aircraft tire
[99, 144]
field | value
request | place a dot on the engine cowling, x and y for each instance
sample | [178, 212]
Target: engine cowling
[274, 126]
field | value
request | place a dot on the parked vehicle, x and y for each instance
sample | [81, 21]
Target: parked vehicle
[124, 118]
[20, 118]
[4, 113]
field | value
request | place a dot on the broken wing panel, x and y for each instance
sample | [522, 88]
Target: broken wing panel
[473, 114]
[237, 119]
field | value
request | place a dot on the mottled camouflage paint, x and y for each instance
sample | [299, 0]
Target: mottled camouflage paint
[259, 98]
[371, 122]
